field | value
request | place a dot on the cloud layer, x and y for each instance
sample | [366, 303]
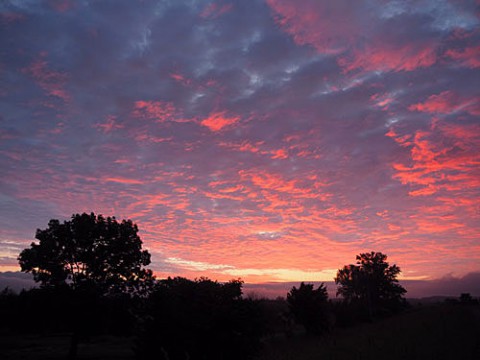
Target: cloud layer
[267, 140]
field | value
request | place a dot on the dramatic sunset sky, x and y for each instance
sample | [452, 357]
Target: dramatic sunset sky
[271, 140]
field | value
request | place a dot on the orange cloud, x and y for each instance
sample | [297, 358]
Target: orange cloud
[280, 154]
[218, 121]
[445, 158]
[267, 180]
[401, 140]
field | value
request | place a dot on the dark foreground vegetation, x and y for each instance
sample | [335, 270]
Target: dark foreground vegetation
[447, 330]
[440, 331]
[97, 301]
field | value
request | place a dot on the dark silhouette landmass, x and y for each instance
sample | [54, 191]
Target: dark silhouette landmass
[96, 300]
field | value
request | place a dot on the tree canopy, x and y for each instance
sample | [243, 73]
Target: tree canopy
[88, 251]
[309, 307]
[371, 282]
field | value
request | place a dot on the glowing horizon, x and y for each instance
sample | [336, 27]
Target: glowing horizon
[268, 140]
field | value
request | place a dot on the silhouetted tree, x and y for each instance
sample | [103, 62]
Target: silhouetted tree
[91, 256]
[200, 319]
[309, 306]
[372, 282]
[88, 251]
[467, 299]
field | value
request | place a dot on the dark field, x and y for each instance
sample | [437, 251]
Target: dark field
[56, 347]
[430, 332]
[443, 331]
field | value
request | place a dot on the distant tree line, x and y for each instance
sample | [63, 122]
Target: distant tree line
[93, 281]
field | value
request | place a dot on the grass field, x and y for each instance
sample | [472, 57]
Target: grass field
[437, 332]
[433, 332]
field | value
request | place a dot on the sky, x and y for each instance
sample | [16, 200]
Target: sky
[268, 140]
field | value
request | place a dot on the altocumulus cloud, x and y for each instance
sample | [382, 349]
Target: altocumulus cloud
[268, 139]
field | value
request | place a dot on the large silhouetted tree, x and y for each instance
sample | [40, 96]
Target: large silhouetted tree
[88, 251]
[372, 283]
[90, 256]
[309, 307]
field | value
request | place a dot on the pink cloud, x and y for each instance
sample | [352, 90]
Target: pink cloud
[52, 82]
[443, 159]
[109, 125]
[268, 180]
[218, 121]
[181, 79]
[11, 17]
[214, 10]
[279, 192]
[327, 26]
[280, 154]
[157, 110]
[145, 137]
[125, 181]
[256, 148]
[297, 165]
[403, 140]
[390, 57]
[469, 56]
[249, 147]
[62, 5]
[383, 101]
[340, 28]
[16, 156]
[448, 102]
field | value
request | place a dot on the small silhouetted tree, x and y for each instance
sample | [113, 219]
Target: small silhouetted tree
[467, 299]
[92, 256]
[309, 306]
[371, 283]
